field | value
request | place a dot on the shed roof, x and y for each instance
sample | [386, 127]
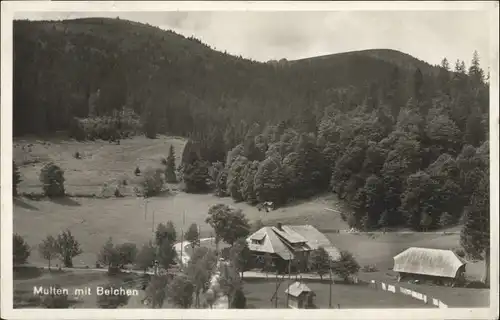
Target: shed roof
[297, 288]
[270, 243]
[425, 261]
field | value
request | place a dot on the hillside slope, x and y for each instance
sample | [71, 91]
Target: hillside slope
[180, 82]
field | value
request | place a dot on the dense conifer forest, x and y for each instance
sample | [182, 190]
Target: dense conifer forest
[404, 143]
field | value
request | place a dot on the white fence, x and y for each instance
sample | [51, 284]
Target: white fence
[407, 292]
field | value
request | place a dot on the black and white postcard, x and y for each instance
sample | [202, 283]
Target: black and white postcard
[299, 160]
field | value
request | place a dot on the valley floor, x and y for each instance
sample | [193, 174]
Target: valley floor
[93, 221]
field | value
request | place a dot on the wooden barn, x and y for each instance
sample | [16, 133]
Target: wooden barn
[423, 264]
[300, 296]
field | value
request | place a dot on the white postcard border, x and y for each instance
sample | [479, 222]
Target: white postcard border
[12, 7]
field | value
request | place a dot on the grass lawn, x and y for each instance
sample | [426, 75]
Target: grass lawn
[24, 283]
[380, 249]
[92, 221]
[259, 292]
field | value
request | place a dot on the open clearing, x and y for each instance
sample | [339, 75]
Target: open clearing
[93, 221]
[101, 162]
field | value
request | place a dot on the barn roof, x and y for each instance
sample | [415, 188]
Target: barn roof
[297, 288]
[270, 243]
[433, 262]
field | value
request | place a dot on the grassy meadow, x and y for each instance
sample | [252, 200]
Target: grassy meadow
[94, 220]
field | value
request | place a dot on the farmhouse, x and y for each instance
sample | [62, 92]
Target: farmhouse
[430, 264]
[300, 296]
[286, 242]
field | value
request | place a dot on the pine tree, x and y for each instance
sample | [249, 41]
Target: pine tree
[196, 176]
[20, 251]
[193, 236]
[475, 235]
[475, 72]
[16, 178]
[170, 176]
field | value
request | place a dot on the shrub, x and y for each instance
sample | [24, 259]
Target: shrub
[369, 268]
[77, 155]
[21, 250]
[137, 171]
[152, 182]
[460, 252]
[52, 179]
[164, 161]
[118, 194]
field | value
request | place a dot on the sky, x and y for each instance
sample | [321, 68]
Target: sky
[262, 36]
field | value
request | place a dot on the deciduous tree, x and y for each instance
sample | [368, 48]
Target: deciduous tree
[68, 248]
[48, 249]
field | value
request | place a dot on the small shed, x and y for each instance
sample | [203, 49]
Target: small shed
[300, 296]
[430, 264]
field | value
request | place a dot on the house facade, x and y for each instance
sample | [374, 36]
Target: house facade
[289, 243]
[439, 266]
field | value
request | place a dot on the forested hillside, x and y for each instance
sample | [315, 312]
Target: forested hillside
[403, 142]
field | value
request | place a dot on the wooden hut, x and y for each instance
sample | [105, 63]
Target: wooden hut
[300, 296]
[438, 266]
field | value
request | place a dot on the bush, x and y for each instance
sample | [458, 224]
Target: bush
[21, 250]
[52, 179]
[369, 268]
[460, 252]
[476, 285]
[152, 182]
[137, 171]
[77, 155]
[109, 128]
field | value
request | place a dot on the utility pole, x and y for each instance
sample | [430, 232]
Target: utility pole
[331, 282]
[289, 277]
[153, 225]
[276, 293]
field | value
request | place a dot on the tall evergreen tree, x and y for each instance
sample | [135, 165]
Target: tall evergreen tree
[170, 169]
[16, 178]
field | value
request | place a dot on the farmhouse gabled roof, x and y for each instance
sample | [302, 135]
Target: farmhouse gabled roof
[425, 261]
[270, 243]
[291, 239]
[315, 239]
[297, 288]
